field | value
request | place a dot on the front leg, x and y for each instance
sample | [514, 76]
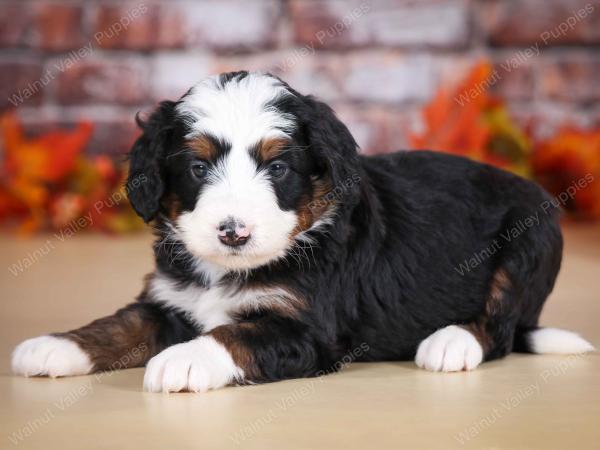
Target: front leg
[270, 348]
[129, 338]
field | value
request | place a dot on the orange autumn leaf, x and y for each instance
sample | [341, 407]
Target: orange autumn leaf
[468, 121]
[573, 149]
[571, 161]
[46, 158]
[30, 165]
[49, 183]
[453, 119]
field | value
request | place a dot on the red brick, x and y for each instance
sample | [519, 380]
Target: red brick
[512, 77]
[258, 61]
[174, 74]
[319, 74]
[572, 79]
[543, 22]
[138, 26]
[389, 78]
[394, 23]
[170, 31]
[113, 134]
[113, 137]
[115, 81]
[37, 121]
[231, 25]
[57, 26]
[377, 129]
[15, 20]
[22, 83]
[453, 68]
[513, 81]
[544, 119]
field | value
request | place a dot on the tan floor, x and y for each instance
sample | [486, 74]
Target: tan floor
[522, 402]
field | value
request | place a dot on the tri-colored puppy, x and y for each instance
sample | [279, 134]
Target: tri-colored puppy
[280, 250]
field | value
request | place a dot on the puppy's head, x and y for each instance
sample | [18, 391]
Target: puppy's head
[242, 168]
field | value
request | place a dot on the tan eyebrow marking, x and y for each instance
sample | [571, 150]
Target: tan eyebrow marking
[271, 148]
[203, 147]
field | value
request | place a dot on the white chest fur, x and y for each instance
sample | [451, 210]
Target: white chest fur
[213, 306]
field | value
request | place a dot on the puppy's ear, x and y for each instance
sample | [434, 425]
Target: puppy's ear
[145, 184]
[333, 146]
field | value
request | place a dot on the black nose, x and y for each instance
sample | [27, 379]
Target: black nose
[233, 233]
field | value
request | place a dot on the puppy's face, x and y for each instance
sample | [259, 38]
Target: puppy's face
[239, 182]
[238, 208]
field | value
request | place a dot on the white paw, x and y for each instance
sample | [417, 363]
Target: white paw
[449, 350]
[196, 366]
[50, 355]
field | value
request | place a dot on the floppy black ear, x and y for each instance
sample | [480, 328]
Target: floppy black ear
[334, 146]
[145, 184]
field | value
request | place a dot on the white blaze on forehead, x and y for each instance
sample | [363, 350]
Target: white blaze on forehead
[237, 111]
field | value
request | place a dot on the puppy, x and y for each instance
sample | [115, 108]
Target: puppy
[280, 251]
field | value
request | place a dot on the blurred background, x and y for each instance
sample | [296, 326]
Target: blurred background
[515, 83]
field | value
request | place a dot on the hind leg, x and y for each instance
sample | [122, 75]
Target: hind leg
[526, 271]
[490, 336]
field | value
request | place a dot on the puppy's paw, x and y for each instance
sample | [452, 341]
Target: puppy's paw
[449, 349]
[196, 366]
[50, 356]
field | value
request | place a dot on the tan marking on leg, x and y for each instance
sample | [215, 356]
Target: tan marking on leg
[493, 306]
[477, 329]
[500, 284]
[125, 339]
[230, 337]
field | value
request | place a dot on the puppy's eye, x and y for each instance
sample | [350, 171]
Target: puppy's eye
[277, 169]
[199, 169]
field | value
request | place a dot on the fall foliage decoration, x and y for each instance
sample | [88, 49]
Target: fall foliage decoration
[48, 184]
[469, 121]
[571, 161]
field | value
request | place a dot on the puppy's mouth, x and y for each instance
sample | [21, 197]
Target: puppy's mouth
[243, 258]
[235, 252]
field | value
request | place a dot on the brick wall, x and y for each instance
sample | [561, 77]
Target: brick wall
[375, 61]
